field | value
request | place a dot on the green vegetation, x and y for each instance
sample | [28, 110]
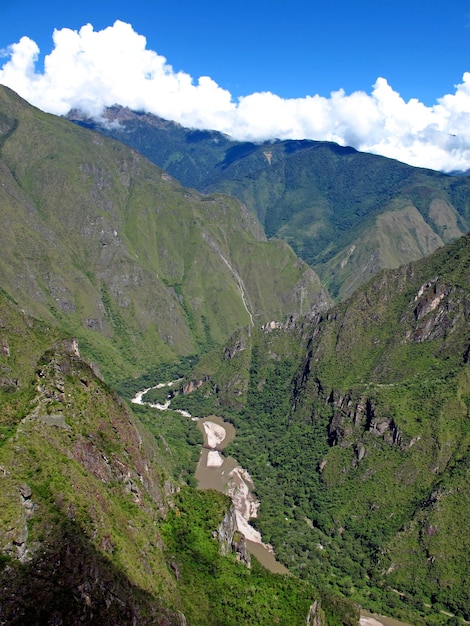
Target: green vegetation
[353, 422]
[356, 434]
[222, 591]
[140, 270]
[347, 214]
[161, 373]
[96, 523]
[177, 439]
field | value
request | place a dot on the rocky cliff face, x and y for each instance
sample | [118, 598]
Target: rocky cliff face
[316, 616]
[354, 417]
[81, 494]
[231, 540]
[361, 344]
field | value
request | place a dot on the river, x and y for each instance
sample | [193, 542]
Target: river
[224, 474]
[216, 471]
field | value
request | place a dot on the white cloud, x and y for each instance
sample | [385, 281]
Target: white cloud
[92, 69]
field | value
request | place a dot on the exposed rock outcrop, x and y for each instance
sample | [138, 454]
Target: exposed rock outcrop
[315, 616]
[238, 346]
[231, 540]
[353, 416]
[192, 385]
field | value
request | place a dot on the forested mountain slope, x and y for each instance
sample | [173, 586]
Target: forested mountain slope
[356, 429]
[95, 526]
[139, 268]
[347, 214]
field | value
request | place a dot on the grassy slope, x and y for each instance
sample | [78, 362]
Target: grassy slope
[140, 269]
[347, 214]
[337, 206]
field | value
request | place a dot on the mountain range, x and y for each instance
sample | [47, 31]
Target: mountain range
[351, 417]
[100, 240]
[347, 214]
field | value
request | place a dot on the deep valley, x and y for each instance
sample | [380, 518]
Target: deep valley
[314, 298]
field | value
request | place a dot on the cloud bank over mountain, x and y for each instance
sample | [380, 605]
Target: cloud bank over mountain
[90, 70]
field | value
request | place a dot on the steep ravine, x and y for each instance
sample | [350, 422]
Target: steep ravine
[214, 471]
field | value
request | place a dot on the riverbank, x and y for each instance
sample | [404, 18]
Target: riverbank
[223, 474]
[215, 471]
[372, 619]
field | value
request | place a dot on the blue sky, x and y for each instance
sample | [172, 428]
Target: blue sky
[291, 49]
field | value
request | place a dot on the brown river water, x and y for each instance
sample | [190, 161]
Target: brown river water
[215, 471]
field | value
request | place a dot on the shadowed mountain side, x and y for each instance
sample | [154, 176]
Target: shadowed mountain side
[71, 582]
[103, 242]
[94, 528]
